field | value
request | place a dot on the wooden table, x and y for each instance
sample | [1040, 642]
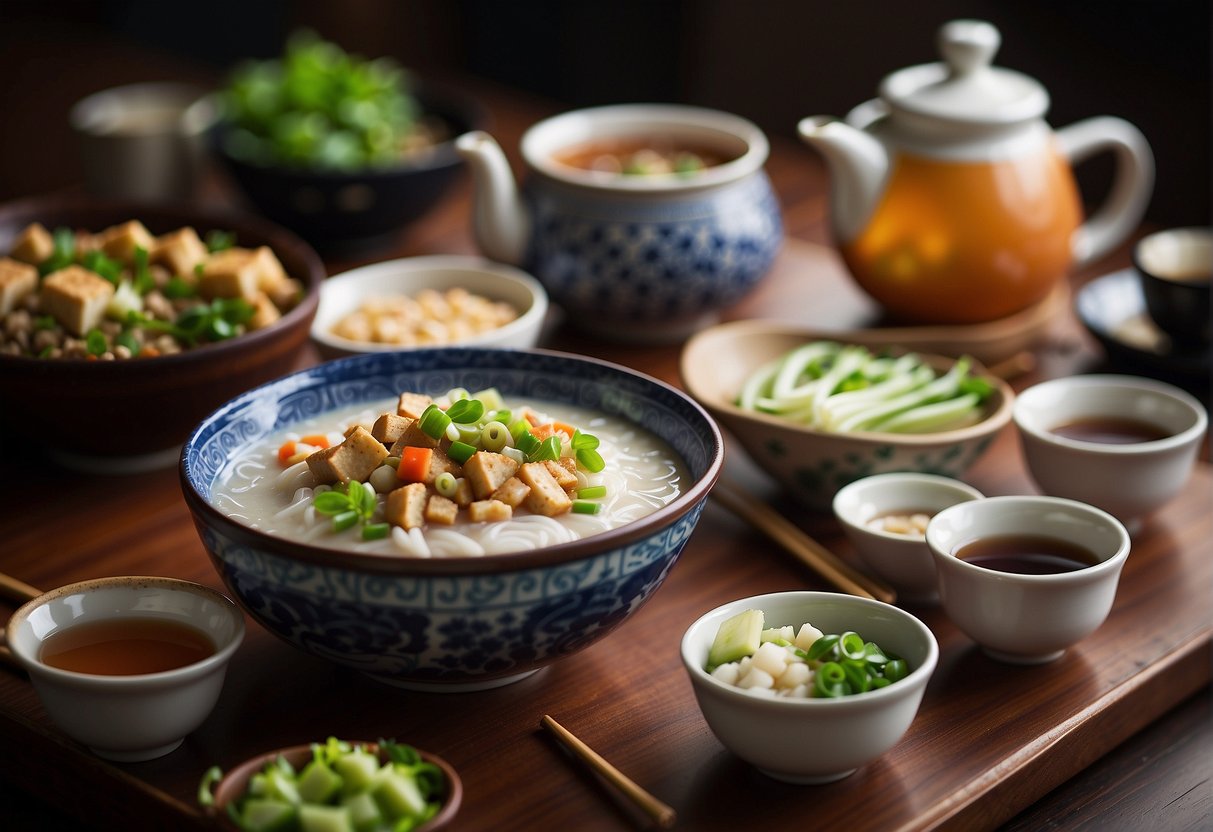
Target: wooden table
[989, 742]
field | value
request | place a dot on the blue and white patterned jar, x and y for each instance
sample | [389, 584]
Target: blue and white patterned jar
[643, 257]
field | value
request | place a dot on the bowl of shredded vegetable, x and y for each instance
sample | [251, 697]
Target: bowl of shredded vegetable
[818, 414]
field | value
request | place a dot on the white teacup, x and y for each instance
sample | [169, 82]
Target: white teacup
[1027, 618]
[127, 718]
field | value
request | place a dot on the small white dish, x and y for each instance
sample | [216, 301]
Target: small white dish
[813, 741]
[1027, 618]
[135, 717]
[344, 293]
[1128, 480]
[903, 560]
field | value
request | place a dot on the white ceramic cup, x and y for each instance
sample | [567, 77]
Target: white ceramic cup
[903, 560]
[128, 718]
[1027, 619]
[1130, 480]
[143, 141]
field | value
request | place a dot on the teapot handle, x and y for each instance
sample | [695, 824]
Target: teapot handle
[1113, 221]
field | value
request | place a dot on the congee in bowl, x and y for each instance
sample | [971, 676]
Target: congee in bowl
[373, 509]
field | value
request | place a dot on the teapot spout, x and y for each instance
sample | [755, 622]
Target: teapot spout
[859, 165]
[500, 222]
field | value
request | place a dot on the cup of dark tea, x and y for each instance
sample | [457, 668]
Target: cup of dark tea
[127, 666]
[1175, 268]
[1123, 443]
[1027, 577]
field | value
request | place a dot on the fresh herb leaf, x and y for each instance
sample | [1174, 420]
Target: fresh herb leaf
[217, 240]
[95, 342]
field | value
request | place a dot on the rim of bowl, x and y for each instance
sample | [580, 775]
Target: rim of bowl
[1023, 407]
[1087, 573]
[849, 491]
[920, 673]
[186, 214]
[532, 316]
[245, 769]
[1198, 237]
[175, 676]
[541, 141]
[333, 557]
[460, 112]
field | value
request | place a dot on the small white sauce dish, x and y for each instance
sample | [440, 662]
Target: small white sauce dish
[903, 560]
[1027, 618]
[137, 717]
[345, 293]
[812, 741]
[1127, 480]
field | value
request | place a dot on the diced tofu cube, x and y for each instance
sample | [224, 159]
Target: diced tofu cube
[439, 509]
[286, 294]
[120, 241]
[389, 427]
[414, 436]
[807, 635]
[489, 511]
[546, 497]
[34, 245]
[463, 493]
[264, 312]
[17, 279]
[512, 492]
[354, 459]
[487, 471]
[560, 472]
[440, 463]
[796, 673]
[76, 297]
[405, 507]
[412, 405]
[179, 251]
[229, 274]
[771, 658]
[270, 273]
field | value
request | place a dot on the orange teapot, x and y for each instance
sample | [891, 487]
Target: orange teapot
[954, 202]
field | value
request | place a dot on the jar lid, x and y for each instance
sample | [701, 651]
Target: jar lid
[965, 87]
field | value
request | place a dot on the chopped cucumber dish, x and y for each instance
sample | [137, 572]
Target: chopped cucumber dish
[844, 388]
[343, 788]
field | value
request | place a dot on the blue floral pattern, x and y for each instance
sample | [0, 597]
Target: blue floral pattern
[451, 628]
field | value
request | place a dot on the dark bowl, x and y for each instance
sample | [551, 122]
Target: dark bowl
[344, 211]
[133, 415]
[1174, 267]
[233, 785]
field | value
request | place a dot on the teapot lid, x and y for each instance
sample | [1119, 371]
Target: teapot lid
[965, 87]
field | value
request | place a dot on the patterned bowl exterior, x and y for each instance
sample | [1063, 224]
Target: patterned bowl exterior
[446, 623]
[649, 260]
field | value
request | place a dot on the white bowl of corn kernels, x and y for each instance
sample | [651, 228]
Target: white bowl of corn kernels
[445, 300]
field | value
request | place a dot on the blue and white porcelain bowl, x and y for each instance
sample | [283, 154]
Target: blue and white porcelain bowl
[449, 623]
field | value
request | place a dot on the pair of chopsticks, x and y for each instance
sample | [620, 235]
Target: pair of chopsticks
[20, 592]
[661, 814]
[817, 557]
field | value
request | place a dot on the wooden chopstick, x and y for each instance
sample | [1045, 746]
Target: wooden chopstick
[661, 814]
[16, 590]
[817, 557]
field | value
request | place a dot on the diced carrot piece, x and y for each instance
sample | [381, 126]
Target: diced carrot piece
[414, 464]
[542, 432]
[285, 452]
[319, 440]
[564, 428]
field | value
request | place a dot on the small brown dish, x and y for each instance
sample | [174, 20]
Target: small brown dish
[233, 784]
[131, 415]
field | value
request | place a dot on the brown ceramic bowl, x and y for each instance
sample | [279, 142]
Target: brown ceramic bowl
[117, 416]
[231, 788]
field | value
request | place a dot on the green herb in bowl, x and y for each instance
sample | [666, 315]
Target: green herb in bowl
[335, 786]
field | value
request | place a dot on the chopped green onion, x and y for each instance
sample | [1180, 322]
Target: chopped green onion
[457, 394]
[125, 339]
[446, 484]
[461, 452]
[217, 240]
[527, 443]
[95, 342]
[498, 415]
[344, 520]
[177, 288]
[514, 454]
[494, 436]
[586, 507]
[376, 531]
[143, 275]
[518, 427]
[63, 251]
[433, 422]
[465, 411]
[592, 492]
[896, 670]
[492, 400]
[458, 432]
[547, 449]
[831, 680]
[44, 322]
[587, 441]
[590, 460]
[851, 646]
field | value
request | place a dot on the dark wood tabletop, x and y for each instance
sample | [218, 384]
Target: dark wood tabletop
[1117, 732]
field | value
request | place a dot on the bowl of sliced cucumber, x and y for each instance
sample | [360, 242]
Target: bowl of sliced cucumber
[817, 413]
[335, 785]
